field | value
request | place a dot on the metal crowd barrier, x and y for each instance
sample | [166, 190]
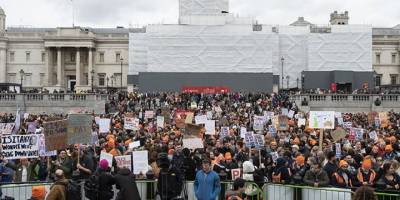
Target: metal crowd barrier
[147, 190]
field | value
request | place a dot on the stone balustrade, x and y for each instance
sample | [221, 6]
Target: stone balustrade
[53, 103]
[347, 102]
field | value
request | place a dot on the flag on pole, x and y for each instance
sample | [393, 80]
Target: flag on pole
[17, 121]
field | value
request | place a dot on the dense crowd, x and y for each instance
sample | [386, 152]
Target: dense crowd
[289, 156]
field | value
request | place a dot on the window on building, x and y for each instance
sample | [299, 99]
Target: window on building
[86, 80]
[117, 79]
[12, 56]
[101, 57]
[28, 56]
[41, 82]
[27, 80]
[378, 80]
[73, 54]
[43, 56]
[117, 57]
[378, 58]
[393, 79]
[393, 58]
[101, 79]
[12, 78]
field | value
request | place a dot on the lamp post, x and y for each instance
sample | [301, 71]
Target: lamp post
[92, 74]
[122, 60]
[107, 79]
[287, 81]
[112, 81]
[22, 74]
[282, 60]
[297, 83]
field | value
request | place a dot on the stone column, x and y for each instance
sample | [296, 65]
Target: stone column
[78, 67]
[3, 66]
[49, 71]
[90, 67]
[59, 68]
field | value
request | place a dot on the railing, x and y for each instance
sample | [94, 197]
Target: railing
[147, 190]
[54, 97]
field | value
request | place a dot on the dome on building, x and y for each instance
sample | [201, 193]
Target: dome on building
[2, 11]
[397, 27]
[300, 22]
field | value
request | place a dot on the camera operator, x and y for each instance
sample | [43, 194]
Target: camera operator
[170, 181]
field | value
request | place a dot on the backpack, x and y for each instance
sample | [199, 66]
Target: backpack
[171, 184]
[73, 190]
[92, 187]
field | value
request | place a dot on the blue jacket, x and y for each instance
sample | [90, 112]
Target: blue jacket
[207, 186]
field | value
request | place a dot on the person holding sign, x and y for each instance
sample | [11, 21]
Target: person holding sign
[64, 163]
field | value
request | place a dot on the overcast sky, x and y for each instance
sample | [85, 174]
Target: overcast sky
[112, 13]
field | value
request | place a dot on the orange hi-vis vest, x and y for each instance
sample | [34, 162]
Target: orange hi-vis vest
[371, 177]
[340, 180]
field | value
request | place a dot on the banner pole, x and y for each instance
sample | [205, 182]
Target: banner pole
[321, 138]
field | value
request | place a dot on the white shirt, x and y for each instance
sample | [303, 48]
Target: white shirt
[24, 177]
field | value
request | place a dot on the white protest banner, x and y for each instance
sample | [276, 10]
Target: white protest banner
[129, 123]
[140, 162]
[373, 135]
[243, 131]
[26, 115]
[322, 119]
[275, 156]
[224, 132]
[189, 117]
[210, 127]
[149, 114]
[285, 111]
[291, 114]
[104, 125]
[209, 115]
[272, 130]
[97, 120]
[108, 157]
[79, 129]
[338, 114]
[20, 146]
[134, 144]
[160, 121]
[347, 125]
[193, 143]
[248, 105]
[338, 151]
[340, 121]
[269, 115]
[6, 128]
[249, 139]
[236, 173]
[193, 105]
[258, 141]
[301, 122]
[359, 133]
[200, 119]
[124, 162]
[258, 123]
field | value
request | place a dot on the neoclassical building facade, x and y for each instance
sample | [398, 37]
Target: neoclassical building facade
[68, 58]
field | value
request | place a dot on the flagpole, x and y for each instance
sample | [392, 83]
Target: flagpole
[73, 14]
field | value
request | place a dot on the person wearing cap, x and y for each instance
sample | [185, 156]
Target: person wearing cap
[342, 178]
[106, 181]
[207, 185]
[389, 154]
[366, 175]
[230, 164]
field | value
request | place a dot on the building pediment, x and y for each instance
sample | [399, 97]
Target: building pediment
[70, 37]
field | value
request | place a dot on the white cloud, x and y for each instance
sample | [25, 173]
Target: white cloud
[107, 13]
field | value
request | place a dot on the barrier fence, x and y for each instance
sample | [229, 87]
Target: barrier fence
[147, 190]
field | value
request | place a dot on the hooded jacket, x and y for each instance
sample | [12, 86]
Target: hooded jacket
[207, 186]
[126, 183]
[282, 171]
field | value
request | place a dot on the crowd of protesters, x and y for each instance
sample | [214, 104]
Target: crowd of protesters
[291, 156]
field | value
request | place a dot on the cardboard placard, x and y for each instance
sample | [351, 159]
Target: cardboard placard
[140, 162]
[124, 161]
[55, 133]
[79, 129]
[104, 125]
[210, 127]
[6, 128]
[200, 119]
[193, 143]
[160, 121]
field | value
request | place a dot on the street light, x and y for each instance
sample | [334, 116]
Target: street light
[297, 83]
[282, 60]
[122, 60]
[112, 81]
[107, 79]
[22, 74]
[92, 74]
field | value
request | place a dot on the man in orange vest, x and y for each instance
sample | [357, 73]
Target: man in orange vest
[366, 175]
[342, 177]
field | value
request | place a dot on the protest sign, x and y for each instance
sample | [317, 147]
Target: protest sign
[377, 122]
[283, 123]
[258, 123]
[347, 125]
[95, 138]
[200, 119]
[192, 131]
[104, 125]
[97, 120]
[359, 133]
[124, 162]
[373, 135]
[274, 156]
[243, 131]
[140, 162]
[55, 134]
[258, 141]
[20, 146]
[236, 173]
[322, 119]
[160, 121]
[338, 150]
[193, 143]
[301, 122]
[149, 114]
[134, 144]
[165, 112]
[338, 114]
[224, 132]
[209, 115]
[180, 117]
[269, 115]
[26, 115]
[79, 129]
[352, 134]
[371, 117]
[383, 117]
[338, 134]
[249, 139]
[108, 157]
[31, 127]
[131, 123]
[210, 127]
[285, 111]
[193, 105]
[340, 121]
[6, 128]
[42, 147]
[272, 130]
[189, 117]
